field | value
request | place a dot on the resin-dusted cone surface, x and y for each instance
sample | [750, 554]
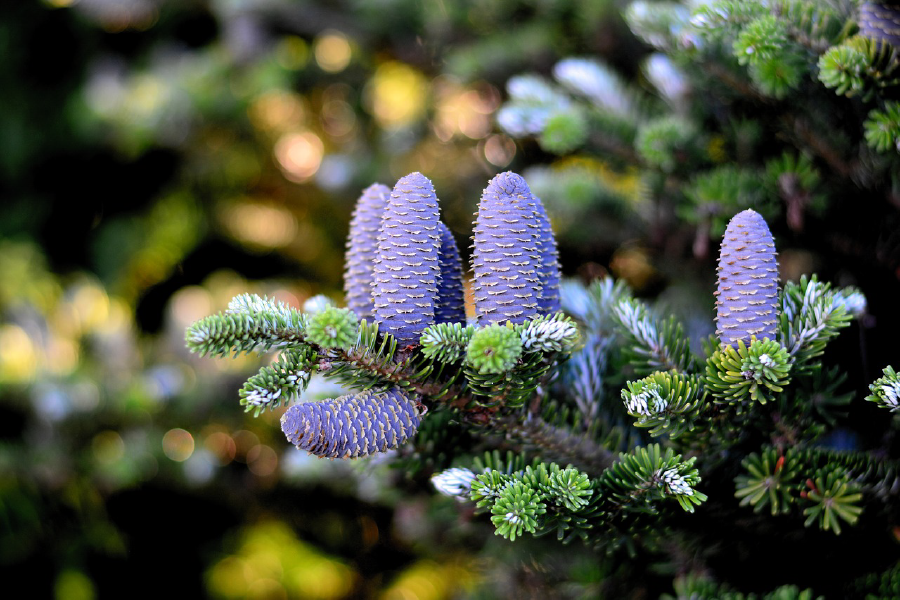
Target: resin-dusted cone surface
[747, 294]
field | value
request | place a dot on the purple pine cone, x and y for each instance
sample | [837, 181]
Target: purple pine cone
[407, 266]
[352, 426]
[506, 260]
[362, 243]
[451, 304]
[747, 302]
[881, 22]
[549, 268]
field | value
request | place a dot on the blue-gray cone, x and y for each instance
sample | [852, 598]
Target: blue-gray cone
[451, 307]
[362, 244]
[352, 426]
[881, 22]
[549, 268]
[407, 265]
[506, 260]
[747, 294]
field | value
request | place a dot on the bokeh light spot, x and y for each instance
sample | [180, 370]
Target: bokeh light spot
[74, 585]
[299, 155]
[262, 460]
[292, 52]
[108, 447]
[221, 447]
[18, 355]
[178, 444]
[499, 150]
[332, 51]
[190, 304]
[396, 94]
[277, 111]
[243, 441]
[260, 224]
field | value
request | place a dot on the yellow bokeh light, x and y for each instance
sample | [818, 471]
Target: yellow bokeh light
[428, 580]
[229, 578]
[299, 155]
[260, 224]
[91, 306]
[272, 562]
[396, 94]
[333, 52]
[277, 111]
[18, 355]
[461, 110]
[178, 445]
[61, 356]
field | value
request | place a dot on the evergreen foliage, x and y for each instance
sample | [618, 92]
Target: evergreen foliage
[497, 378]
[751, 429]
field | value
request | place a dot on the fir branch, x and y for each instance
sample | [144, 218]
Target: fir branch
[811, 315]
[240, 333]
[446, 342]
[282, 382]
[640, 479]
[666, 402]
[886, 390]
[651, 344]
[546, 334]
[555, 444]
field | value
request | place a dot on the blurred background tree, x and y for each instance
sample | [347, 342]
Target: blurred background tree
[160, 157]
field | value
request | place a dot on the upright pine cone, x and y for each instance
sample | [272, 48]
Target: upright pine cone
[352, 426]
[747, 303]
[407, 266]
[451, 307]
[880, 21]
[549, 268]
[506, 260]
[362, 244]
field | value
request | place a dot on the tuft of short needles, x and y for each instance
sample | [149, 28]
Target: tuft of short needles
[747, 292]
[407, 266]
[352, 426]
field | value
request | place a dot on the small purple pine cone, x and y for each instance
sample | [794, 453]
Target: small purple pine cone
[362, 243]
[451, 303]
[506, 260]
[881, 22]
[747, 294]
[407, 264]
[549, 268]
[352, 426]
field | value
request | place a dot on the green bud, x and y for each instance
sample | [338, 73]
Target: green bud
[494, 349]
[333, 328]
